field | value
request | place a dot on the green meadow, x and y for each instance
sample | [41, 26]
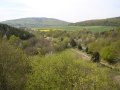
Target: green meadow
[74, 28]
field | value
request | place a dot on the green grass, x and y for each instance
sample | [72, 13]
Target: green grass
[71, 28]
[64, 71]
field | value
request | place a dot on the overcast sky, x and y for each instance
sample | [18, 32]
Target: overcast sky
[68, 10]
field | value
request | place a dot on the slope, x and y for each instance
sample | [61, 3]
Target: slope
[35, 22]
[99, 22]
[6, 30]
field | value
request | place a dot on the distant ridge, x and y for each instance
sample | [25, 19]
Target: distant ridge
[35, 22]
[99, 22]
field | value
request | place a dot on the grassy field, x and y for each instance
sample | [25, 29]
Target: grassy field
[71, 28]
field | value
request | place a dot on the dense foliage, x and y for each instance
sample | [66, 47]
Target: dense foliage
[63, 71]
[47, 61]
[101, 22]
[7, 31]
[13, 67]
[108, 45]
[87, 41]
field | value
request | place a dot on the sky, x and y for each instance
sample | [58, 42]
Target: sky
[67, 10]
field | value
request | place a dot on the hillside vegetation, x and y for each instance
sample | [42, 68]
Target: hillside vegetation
[58, 59]
[106, 43]
[14, 66]
[7, 31]
[35, 22]
[100, 22]
[63, 71]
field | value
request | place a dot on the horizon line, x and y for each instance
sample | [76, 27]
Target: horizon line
[60, 19]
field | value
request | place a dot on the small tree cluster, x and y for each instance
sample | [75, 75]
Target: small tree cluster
[95, 57]
[72, 42]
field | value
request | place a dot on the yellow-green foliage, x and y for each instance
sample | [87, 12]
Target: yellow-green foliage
[111, 52]
[13, 67]
[108, 53]
[98, 44]
[64, 71]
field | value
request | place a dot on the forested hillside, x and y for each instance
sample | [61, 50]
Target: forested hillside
[100, 22]
[7, 31]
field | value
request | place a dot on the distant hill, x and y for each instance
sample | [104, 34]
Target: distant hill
[35, 22]
[6, 30]
[100, 22]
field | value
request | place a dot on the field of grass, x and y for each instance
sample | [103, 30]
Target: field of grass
[71, 28]
[64, 71]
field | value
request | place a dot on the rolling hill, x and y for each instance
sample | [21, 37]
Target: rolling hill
[35, 22]
[99, 22]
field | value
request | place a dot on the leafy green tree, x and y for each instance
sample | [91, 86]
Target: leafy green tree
[79, 47]
[95, 57]
[108, 53]
[72, 42]
[13, 40]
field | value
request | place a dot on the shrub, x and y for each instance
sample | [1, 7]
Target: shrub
[72, 42]
[13, 40]
[108, 53]
[60, 45]
[95, 57]
[79, 47]
[31, 51]
[63, 71]
[98, 44]
[13, 68]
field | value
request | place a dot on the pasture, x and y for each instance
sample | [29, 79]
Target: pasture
[74, 28]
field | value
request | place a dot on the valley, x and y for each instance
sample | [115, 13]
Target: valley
[57, 55]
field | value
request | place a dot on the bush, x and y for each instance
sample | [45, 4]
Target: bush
[72, 42]
[13, 40]
[98, 44]
[108, 53]
[63, 71]
[95, 57]
[60, 45]
[13, 68]
[31, 51]
[79, 47]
